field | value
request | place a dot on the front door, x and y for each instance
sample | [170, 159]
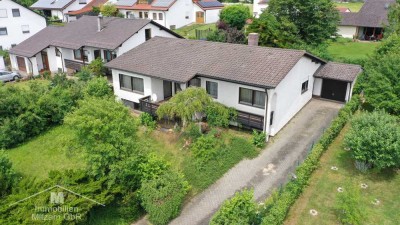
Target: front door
[199, 17]
[21, 63]
[334, 89]
[45, 61]
[167, 89]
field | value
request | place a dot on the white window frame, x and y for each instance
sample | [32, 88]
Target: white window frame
[26, 30]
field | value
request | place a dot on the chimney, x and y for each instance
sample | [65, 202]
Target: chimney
[100, 22]
[253, 39]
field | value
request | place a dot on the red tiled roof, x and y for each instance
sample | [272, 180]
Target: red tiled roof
[88, 7]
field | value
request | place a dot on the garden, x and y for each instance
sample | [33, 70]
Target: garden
[72, 132]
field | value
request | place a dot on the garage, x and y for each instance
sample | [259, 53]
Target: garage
[334, 90]
[21, 63]
[335, 81]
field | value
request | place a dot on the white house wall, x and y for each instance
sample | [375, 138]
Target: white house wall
[14, 24]
[289, 99]
[258, 8]
[212, 16]
[317, 86]
[347, 31]
[177, 13]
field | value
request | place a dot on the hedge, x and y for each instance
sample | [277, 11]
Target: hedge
[278, 205]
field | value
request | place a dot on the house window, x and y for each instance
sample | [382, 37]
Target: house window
[3, 31]
[172, 27]
[57, 52]
[147, 33]
[82, 1]
[212, 88]
[146, 15]
[16, 13]
[154, 16]
[141, 15]
[25, 29]
[78, 55]
[128, 14]
[195, 82]
[3, 13]
[13, 45]
[109, 55]
[160, 16]
[133, 84]
[252, 97]
[177, 87]
[304, 86]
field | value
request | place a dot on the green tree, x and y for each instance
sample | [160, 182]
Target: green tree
[394, 18]
[106, 131]
[240, 209]
[186, 105]
[98, 87]
[97, 68]
[274, 33]
[162, 197]
[374, 139]
[316, 20]
[109, 10]
[7, 175]
[380, 80]
[235, 15]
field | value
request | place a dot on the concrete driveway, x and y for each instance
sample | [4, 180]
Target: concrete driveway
[270, 169]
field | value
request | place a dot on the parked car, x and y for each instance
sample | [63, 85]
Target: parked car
[9, 76]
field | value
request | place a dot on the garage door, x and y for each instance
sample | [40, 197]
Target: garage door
[334, 89]
[21, 63]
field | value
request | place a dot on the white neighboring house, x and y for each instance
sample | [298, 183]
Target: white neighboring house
[17, 23]
[68, 48]
[171, 13]
[267, 86]
[259, 6]
[59, 8]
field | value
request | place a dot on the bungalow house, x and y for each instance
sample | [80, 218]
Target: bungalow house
[267, 86]
[59, 8]
[368, 23]
[259, 6]
[17, 23]
[68, 48]
[172, 13]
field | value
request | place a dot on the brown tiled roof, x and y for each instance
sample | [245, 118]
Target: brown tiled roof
[374, 13]
[88, 8]
[180, 60]
[83, 32]
[339, 71]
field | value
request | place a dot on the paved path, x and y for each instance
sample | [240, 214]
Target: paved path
[269, 170]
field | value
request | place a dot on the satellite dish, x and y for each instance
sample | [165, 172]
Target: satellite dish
[154, 97]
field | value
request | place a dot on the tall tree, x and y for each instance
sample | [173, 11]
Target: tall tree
[316, 20]
[235, 16]
[394, 18]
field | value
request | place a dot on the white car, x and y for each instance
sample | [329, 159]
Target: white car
[9, 76]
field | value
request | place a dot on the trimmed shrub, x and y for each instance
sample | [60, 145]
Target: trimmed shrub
[240, 209]
[162, 197]
[259, 139]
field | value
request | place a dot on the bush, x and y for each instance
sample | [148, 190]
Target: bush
[85, 74]
[162, 198]
[7, 175]
[235, 15]
[240, 209]
[98, 87]
[46, 75]
[259, 139]
[148, 121]
[193, 131]
[96, 67]
[204, 148]
[349, 206]
[374, 139]
[220, 115]
[277, 206]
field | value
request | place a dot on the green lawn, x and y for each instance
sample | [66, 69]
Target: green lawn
[347, 49]
[353, 6]
[45, 153]
[322, 192]
[189, 30]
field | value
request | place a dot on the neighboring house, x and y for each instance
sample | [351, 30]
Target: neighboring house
[267, 86]
[171, 13]
[86, 10]
[68, 48]
[368, 23]
[259, 6]
[17, 23]
[343, 9]
[59, 8]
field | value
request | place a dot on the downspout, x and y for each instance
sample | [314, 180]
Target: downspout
[62, 60]
[165, 20]
[349, 92]
[266, 116]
